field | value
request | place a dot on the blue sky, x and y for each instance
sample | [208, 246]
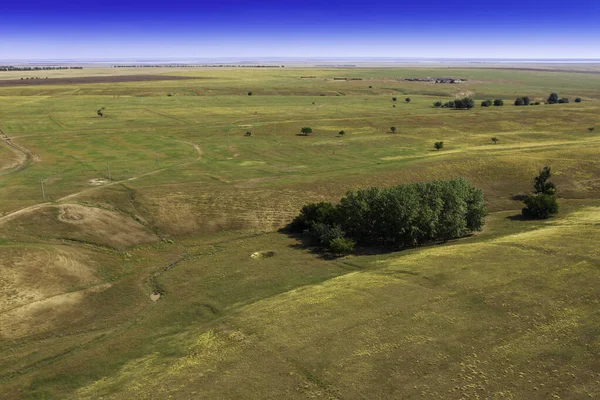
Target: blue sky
[64, 29]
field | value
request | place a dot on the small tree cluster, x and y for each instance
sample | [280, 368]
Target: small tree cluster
[399, 216]
[486, 103]
[498, 103]
[522, 101]
[542, 203]
[552, 99]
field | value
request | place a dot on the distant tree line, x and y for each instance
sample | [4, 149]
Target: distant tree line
[399, 216]
[197, 66]
[11, 68]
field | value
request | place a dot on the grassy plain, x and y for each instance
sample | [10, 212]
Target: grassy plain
[509, 313]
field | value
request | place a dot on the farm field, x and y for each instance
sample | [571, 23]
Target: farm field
[166, 192]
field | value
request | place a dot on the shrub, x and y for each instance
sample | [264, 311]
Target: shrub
[591, 129]
[522, 101]
[393, 129]
[437, 104]
[498, 102]
[306, 131]
[407, 99]
[564, 100]
[486, 103]
[394, 98]
[466, 103]
[540, 206]
[323, 212]
[438, 145]
[341, 245]
[449, 104]
[553, 99]
[578, 100]
[495, 140]
[250, 93]
[341, 133]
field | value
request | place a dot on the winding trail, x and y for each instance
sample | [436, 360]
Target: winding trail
[35, 207]
[25, 155]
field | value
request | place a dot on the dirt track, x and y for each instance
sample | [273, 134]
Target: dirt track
[92, 79]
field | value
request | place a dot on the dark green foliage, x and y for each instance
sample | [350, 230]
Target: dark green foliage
[412, 214]
[541, 184]
[399, 216]
[248, 133]
[370, 87]
[438, 145]
[522, 101]
[498, 102]
[495, 140]
[486, 103]
[540, 206]
[323, 212]
[449, 104]
[553, 99]
[393, 129]
[306, 131]
[407, 99]
[100, 113]
[466, 103]
[437, 104]
[394, 98]
[341, 245]
[564, 100]
[591, 129]
[537, 103]
[341, 133]
[578, 100]
[250, 93]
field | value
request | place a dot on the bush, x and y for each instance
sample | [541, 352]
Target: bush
[437, 104]
[394, 98]
[564, 100]
[466, 103]
[323, 212]
[341, 133]
[407, 99]
[449, 104]
[498, 102]
[341, 245]
[306, 131]
[438, 145]
[393, 129]
[522, 101]
[540, 206]
[250, 93]
[578, 100]
[486, 103]
[553, 99]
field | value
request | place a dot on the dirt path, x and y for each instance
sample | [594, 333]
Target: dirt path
[35, 207]
[25, 155]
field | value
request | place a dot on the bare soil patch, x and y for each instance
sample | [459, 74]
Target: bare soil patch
[94, 79]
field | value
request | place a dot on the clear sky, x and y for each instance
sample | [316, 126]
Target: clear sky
[83, 29]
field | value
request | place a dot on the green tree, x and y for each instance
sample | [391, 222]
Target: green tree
[341, 133]
[341, 246]
[250, 93]
[437, 104]
[553, 99]
[498, 102]
[323, 212]
[407, 99]
[100, 113]
[495, 139]
[306, 131]
[591, 129]
[541, 184]
[578, 100]
[486, 103]
[393, 129]
[394, 98]
[540, 206]
[438, 145]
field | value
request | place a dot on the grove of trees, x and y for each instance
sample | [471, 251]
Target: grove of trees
[399, 216]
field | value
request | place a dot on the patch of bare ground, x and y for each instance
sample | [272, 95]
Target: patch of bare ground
[93, 79]
[81, 223]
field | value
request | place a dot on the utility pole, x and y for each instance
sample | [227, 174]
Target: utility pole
[42, 183]
[108, 168]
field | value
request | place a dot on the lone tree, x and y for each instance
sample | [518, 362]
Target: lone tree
[250, 93]
[407, 99]
[100, 113]
[341, 133]
[498, 103]
[553, 99]
[306, 131]
[393, 129]
[438, 145]
[542, 204]
[495, 139]
[394, 98]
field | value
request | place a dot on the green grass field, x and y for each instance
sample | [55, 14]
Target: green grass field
[510, 313]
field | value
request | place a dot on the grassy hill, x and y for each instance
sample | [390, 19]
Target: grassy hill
[508, 313]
